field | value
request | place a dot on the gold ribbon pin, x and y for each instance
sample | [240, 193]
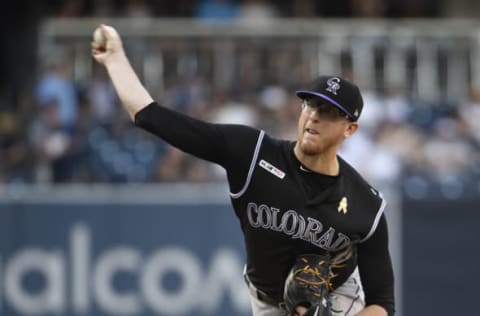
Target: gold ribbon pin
[342, 206]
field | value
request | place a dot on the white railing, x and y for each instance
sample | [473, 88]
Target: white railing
[427, 59]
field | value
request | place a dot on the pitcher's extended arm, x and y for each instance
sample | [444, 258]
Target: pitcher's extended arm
[111, 54]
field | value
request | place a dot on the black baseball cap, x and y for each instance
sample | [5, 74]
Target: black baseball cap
[338, 92]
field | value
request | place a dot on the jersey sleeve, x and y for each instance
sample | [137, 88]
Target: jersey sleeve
[376, 270]
[228, 145]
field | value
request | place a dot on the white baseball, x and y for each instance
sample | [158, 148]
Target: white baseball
[98, 37]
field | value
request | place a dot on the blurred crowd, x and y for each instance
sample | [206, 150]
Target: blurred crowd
[77, 132]
[80, 133]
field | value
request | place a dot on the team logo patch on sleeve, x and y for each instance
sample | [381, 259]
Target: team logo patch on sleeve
[272, 169]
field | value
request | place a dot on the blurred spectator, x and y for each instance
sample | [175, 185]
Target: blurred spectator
[469, 112]
[54, 128]
[186, 95]
[273, 97]
[235, 113]
[55, 87]
[374, 111]
[170, 166]
[274, 110]
[175, 166]
[405, 142]
[53, 145]
[225, 10]
[102, 97]
[447, 153]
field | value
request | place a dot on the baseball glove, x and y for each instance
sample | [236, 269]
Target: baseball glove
[308, 284]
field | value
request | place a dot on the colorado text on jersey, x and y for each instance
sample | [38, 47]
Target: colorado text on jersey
[295, 225]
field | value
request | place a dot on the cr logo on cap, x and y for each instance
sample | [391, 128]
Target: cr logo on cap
[333, 85]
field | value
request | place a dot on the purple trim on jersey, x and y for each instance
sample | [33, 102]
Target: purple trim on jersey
[252, 167]
[327, 98]
[375, 222]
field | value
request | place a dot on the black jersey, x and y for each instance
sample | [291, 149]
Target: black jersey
[282, 216]
[285, 209]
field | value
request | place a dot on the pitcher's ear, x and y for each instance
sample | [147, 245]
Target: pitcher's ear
[351, 129]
